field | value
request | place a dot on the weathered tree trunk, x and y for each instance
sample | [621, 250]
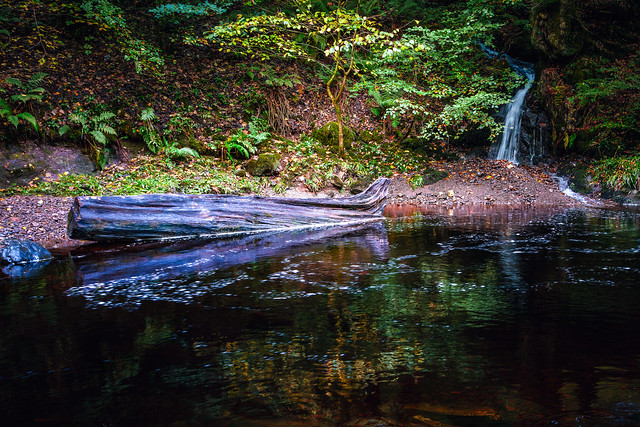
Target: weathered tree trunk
[162, 216]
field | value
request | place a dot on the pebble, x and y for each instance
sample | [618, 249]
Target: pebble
[41, 219]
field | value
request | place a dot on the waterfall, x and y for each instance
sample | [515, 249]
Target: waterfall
[510, 142]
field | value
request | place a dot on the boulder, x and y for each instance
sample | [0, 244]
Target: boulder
[17, 251]
[266, 164]
[360, 185]
[431, 176]
[557, 31]
[327, 135]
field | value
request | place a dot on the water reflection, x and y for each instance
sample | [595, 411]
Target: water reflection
[186, 271]
[476, 317]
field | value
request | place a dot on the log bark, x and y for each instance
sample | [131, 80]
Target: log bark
[162, 216]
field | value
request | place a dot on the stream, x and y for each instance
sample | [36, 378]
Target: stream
[469, 316]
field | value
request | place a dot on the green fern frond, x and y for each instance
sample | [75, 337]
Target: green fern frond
[99, 136]
[37, 78]
[28, 117]
[13, 81]
[148, 114]
[103, 117]
[106, 129]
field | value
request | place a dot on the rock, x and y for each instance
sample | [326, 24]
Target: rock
[432, 176]
[557, 32]
[23, 251]
[631, 201]
[327, 135]
[21, 163]
[19, 167]
[337, 181]
[23, 271]
[535, 134]
[360, 185]
[266, 164]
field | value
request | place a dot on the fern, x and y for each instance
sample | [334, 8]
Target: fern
[148, 114]
[103, 117]
[28, 117]
[99, 136]
[37, 78]
[148, 130]
[15, 118]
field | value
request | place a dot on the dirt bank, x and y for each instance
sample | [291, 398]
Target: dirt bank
[43, 218]
[481, 181]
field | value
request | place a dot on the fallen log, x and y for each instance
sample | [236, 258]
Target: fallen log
[163, 216]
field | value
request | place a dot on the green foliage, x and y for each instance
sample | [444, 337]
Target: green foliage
[145, 175]
[15, 118]
[172, 151]
[4, 44]
[97, 128]
[271, 78]
[245, 143]
[429, 80]
[156, 143]
[609, 104]
[619, 172]
[148, 130]
[25, 95]
[183, 10]
[110, 17]
[311, 162]
[180, 127]
[328, 39]
[28, 91]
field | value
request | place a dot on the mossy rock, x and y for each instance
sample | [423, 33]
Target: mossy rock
[415, 143]
[327, 135]
[360, 185]
[431, 176]
[265, 164]
[556, 29]
[580, 181]
[369, 136]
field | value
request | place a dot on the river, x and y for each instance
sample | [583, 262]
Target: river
[473, 316]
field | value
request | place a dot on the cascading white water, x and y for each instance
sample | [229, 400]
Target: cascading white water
[508, 148]
[510, 142]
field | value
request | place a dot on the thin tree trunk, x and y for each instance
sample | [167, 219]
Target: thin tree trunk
[335, 101]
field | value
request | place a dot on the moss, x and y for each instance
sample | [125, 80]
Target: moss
[360, 185]
[327, 135]
[431, 176]
[368, 136]
[556, 30]
[265, 164]
[580, 181]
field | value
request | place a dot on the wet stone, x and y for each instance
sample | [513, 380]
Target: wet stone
[17, 251]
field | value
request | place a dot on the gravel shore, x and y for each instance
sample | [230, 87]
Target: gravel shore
[43, 219]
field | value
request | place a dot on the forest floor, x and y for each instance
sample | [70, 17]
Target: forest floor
[43, 219]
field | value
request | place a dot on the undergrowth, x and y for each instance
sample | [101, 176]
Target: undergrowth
[619, 172]
[306, 162]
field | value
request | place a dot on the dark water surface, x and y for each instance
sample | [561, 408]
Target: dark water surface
[468, 317]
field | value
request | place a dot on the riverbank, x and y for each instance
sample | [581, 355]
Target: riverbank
[43, 219]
